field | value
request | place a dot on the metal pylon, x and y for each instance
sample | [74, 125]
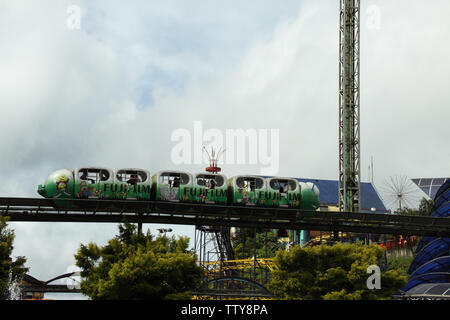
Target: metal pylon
[349, 121]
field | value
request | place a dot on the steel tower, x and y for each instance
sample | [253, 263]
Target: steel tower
[349, 125]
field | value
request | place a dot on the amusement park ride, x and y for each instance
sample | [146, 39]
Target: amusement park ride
[349, 124]
[134, 195]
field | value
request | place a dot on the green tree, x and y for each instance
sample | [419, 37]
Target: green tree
[11, 271]
[332, 272]
[400, 263]
[424, 209]
[267, 244]
[137, 266]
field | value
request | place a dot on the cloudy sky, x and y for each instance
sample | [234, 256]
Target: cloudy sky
[113, 92]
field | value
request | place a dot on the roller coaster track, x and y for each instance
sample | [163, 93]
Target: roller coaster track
[264, 263]
[115, 211]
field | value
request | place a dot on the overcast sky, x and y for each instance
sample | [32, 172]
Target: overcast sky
[112, 93]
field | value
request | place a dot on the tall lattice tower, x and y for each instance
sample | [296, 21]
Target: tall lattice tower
[349, 125]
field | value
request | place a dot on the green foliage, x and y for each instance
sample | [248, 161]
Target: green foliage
[137, 266]
[11, 271]
[424, 210]
[400, 263]
[425, 207]
[332, 272]
[267, 244]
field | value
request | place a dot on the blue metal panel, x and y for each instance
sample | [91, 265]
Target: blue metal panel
[441, 264]
[432, 262]
[437, 248]
[424, 242]
[443, 211]
[441, 207]
[435, 277]
[443, 199]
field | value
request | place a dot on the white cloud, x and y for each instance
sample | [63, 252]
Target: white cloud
[73, 98]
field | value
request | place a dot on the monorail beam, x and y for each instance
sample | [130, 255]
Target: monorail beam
[22, 209]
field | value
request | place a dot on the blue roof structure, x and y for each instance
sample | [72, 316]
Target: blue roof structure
[432, 277]
[426, 291]
[441, 264]
[329, 194]
[430, 186]
[435, 248]
[432, 261]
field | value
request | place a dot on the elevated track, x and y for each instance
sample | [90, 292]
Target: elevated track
[115, 211]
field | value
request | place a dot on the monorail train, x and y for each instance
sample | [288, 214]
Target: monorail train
[179, 186]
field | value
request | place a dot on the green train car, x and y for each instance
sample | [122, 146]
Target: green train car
[269, 192]
[97, 183]
[179, 186]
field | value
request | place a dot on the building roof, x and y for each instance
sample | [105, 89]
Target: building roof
[429, 186]
[329, 194]
[429, 291]
[432, 261]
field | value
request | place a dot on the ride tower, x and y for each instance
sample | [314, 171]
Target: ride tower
[213, 242]
[349, 93]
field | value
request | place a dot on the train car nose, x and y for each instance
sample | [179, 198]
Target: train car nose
[41, 190]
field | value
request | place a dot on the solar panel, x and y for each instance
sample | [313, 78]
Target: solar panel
[438, 289]
[421, 288]
[429, 186]
[435, 289]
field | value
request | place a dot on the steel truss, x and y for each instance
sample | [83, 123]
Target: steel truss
[116, 211]
[349, 120]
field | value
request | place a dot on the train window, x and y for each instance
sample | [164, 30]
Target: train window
[131, 176]
[249, 183]
[292, 184]
[184, 178]
[164, 178]
[174, 179]
[279, 185]
[210, 181]
[259, 183]
[90, 175]
[104, 175]
[283, 185]
[240, 183]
